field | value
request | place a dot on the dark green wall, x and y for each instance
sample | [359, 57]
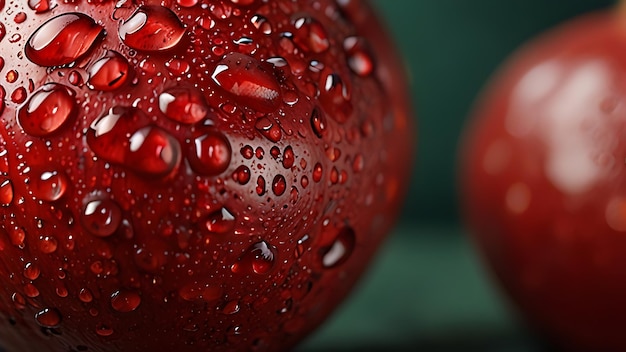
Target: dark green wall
[452, 47]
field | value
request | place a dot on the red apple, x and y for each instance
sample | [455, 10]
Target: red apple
[544, 181]
[191, 175]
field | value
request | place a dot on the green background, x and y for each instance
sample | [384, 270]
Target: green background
[427, 290]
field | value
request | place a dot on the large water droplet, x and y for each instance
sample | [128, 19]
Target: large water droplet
[250, 81]
[210, 153]
[153, 151]
[31, 271]
[185, 105]
[279, 185]
[152, 28]
[47, 110]
[109, 72]
[62, 39]
[101, 217]
[125, 301]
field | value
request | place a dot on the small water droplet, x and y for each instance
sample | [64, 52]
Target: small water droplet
[268, 129]
[20, 17]
[152, 28]
[48, 318]
[19, 95]
[48, 244]
[289, 158]
[258, 259]
[18, 301]
[187, 3]
[31, 291]
[101, 217]
[109, 72]
[47, 110]
[279, 185]
[177, 67]
[242, 175]
[125, 301]
[261, 23]
[359, 56]
[50, 185]
[310, 35]
[210, 153]
[85, 295]
[260, 186]
[231, 307]
[318, 122]
[185, 105]
[31, 271]
[318, 172]
[247, 152]
[104, 330]
[220, 222]
[62, 39]
[6, 191]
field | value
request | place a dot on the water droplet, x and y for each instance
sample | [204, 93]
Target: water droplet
[185, 105]
[18, 300]
[104, 330]
[31, 271]
[31, 291]
[258, 259]
[260, 186]
[62, 39]
[187, 3]
[47, 110]
[6, 192]
[48, 318]
[50, 185]
[12, 76]
[318, 122]
[279, 185]
[340, 250]
[231, 307]
[247, 152]
[220, 222]
[310, 35]
[317, 172]
[152, 28]
[261, 23]
[210, 153]
[335, 98]
[109, 72]
[85, 295]
[101, 217]
[19, 95]
[20, 17]
[149, 150]
[48, 244]
[242, 175]
[288, 158]
[359, 56]
[39, 6]
[251, 82]
[125, 301]
[268, 129]
[177, 67]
